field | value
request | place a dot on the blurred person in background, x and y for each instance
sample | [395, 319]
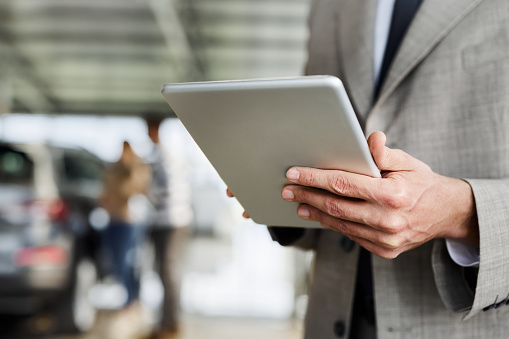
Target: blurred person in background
[125, 183]
[170, 194]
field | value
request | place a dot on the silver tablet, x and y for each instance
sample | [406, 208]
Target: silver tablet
[253, 131]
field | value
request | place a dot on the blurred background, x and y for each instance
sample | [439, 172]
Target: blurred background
[77, 80]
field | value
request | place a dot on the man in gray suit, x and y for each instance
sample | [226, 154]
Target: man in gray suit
[442, 203]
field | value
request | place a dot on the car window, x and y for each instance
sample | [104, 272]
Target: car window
[81, 168]
[15, 167]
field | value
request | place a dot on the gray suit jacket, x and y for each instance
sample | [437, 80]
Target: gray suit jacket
[445, 101]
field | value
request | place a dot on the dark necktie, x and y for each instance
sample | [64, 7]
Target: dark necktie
[404, 12]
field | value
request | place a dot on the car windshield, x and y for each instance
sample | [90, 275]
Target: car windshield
[15, 167]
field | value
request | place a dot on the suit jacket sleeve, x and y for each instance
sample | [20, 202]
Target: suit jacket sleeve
[303, 238]
[488, 287]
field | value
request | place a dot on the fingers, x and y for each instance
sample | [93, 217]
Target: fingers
[385, 245]
[344, 226]
[355, 185]
[388, 159]
[376, 143]
[386, 253]
[338, 182]
[346, 209]
[229, 193]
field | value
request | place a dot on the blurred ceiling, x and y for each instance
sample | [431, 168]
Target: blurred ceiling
[110, 57]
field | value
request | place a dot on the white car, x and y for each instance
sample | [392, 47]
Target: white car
[48, 251]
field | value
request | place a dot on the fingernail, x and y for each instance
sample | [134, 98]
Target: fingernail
[288, 195]
[303, 212]
[292, 174]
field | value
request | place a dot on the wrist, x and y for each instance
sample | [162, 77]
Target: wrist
[462, 225]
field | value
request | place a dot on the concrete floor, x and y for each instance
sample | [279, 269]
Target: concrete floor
[199, 327]
[204, 255]
[221, 328]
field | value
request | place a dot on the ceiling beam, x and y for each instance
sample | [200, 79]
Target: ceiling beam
[35, 92]
[179, 48]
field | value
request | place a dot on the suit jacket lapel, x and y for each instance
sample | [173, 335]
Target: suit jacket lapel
[434, 20]
[356, 22]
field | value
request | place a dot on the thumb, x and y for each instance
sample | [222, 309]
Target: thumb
[388, 159]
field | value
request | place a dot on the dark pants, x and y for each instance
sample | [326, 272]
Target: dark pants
[120, 241]
[363, 313]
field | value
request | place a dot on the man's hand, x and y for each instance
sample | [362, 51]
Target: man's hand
[407, 207]
[231, 195]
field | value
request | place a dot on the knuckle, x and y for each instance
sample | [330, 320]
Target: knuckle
[342, 227]
[308, 178]
[379, 239]
[332, 207]
[394, 201]
[340, 185]
[336, 225]
[392, 223]
[396, 198]
[390, 242]
[396, 242]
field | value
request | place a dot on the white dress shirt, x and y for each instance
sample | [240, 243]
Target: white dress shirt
[460, 253]
[382, 26]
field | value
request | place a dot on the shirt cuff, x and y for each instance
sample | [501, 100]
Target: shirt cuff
[462, 254]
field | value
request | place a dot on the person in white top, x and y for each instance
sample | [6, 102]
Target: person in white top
[170, 194]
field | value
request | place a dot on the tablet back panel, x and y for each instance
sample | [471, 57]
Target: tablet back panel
[252, 131]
